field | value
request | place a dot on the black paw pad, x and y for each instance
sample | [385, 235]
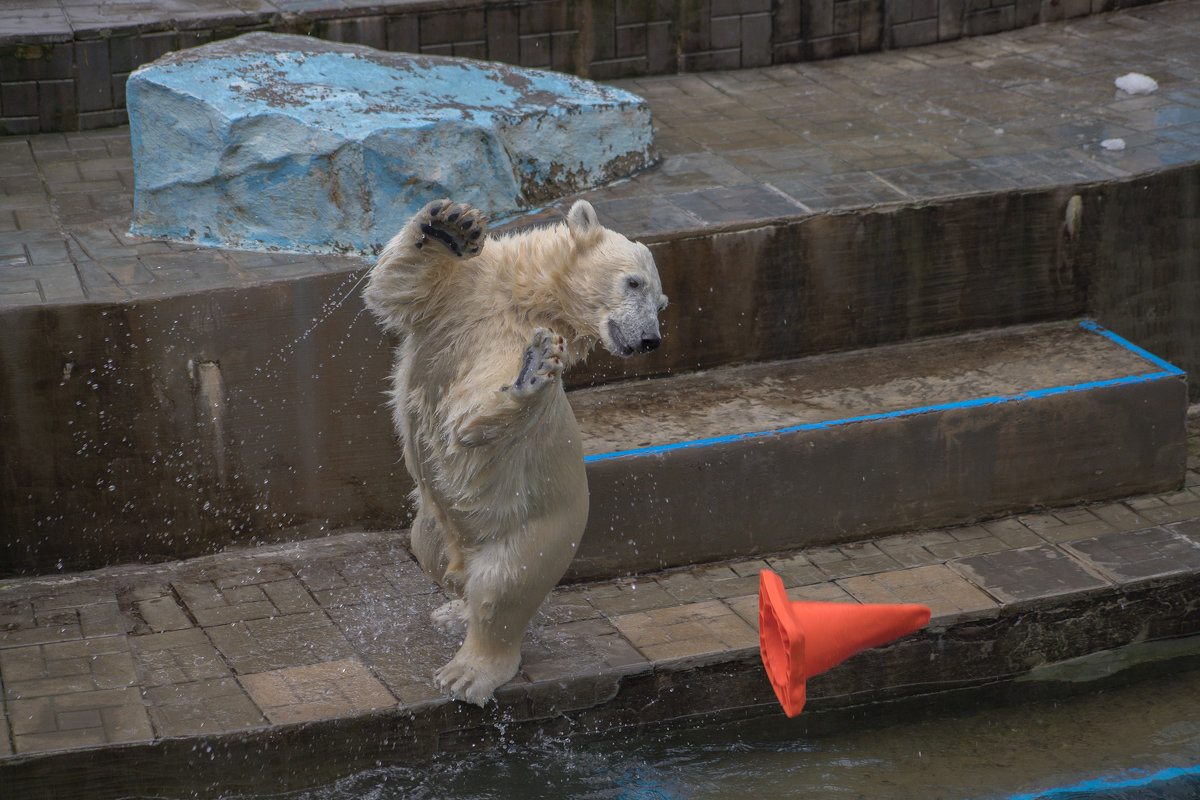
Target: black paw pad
[453, 243]
[459, 228]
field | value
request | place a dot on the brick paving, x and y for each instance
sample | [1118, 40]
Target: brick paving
[1023, 109]
[338, 627]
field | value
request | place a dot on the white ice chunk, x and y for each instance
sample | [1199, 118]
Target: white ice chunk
[1136, 83]
[1113, 144]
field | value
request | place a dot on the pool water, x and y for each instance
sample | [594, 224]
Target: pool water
[1072, 732]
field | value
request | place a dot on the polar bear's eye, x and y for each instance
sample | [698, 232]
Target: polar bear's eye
[633, 282]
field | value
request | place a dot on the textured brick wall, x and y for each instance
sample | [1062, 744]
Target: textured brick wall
[75, 79]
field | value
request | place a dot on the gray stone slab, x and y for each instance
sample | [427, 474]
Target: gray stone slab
[1028, 574]
[1138, 555]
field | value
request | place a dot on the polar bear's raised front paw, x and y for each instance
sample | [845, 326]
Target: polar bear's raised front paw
[474, 680]
[541, 363]
[457, 227]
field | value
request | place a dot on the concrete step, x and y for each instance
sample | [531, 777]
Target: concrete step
[768, 457]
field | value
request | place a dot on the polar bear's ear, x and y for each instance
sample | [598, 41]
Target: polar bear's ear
[582, 219]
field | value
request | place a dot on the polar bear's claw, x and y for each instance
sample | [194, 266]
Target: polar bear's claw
[473, 681]
[459, 228]
[542, 361]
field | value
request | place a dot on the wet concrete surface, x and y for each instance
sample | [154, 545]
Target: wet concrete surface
[843, 386]
[327, 645]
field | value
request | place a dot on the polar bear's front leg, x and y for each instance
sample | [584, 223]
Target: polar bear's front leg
[541, 367]
[437, 237]
[541, 363]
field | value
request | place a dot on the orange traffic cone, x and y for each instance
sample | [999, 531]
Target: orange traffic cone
[799, 640]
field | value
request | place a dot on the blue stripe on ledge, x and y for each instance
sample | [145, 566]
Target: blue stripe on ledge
[1173, 782]
[1166, 370]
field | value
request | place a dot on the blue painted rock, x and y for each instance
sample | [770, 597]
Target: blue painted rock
[270, 141]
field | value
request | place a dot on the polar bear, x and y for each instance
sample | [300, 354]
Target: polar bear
[487, 325]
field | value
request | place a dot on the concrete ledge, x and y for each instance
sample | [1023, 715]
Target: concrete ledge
[834, 448]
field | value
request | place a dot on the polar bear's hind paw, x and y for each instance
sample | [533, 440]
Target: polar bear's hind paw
[459, 228]
[474, 680]
[449, 615]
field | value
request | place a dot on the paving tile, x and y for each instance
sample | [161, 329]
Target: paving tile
[1167, 513]
[828, 592]
[937, 586]
[583, 647]
[78, 719]
[261, 645]
[1182, 497]
[979, 540]
[163, 614]
[317, 691]
[626, 596]
[67, 667]
[175, 657]
[795, 569]
[745, 607]
[1079, 530]
[565, 605]
[1012, 532]
[1028, 573]
[724, 582]
[906, 550]
[1137, 555]
[203, 707]
[841, 190]
[1121, 517]
[851, 559]
[738, 204]
[399, 642]
[694, 629]
[210, 605]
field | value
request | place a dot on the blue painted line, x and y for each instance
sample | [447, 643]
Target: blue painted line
[1166, 371]
[1100, 787]
[1088, 324]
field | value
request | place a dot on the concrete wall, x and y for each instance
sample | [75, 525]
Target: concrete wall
[1142, 261]
[166, 428]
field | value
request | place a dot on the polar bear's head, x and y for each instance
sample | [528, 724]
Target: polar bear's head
[623, 293]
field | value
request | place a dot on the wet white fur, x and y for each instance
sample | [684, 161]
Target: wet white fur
[501, 491]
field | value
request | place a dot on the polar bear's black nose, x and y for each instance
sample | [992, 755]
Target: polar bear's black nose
[648, 343]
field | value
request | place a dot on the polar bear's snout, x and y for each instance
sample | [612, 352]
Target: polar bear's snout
[632, 318]
[626, 342]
